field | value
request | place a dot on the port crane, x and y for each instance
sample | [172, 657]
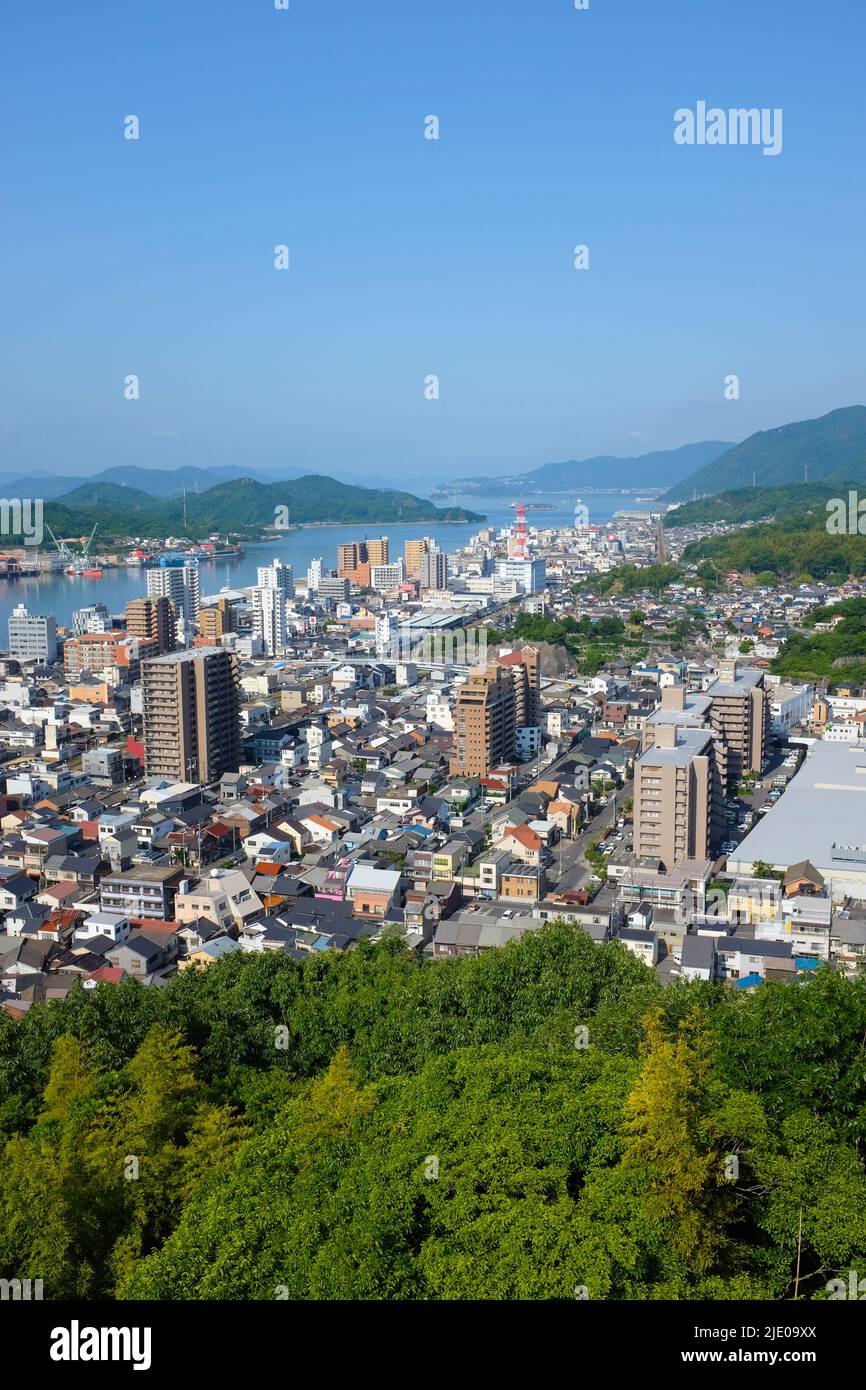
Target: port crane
[75, 564]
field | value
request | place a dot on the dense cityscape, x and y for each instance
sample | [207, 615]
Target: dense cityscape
[446, 749]
[432, 679]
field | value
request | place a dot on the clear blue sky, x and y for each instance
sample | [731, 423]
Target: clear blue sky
[412, 257]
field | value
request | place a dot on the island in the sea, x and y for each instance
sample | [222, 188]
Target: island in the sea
[242, 507]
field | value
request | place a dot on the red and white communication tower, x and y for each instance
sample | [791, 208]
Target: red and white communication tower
[519, 545]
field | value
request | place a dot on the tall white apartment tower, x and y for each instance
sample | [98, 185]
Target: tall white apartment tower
[269, 618]
[177, 578]
[277, 576]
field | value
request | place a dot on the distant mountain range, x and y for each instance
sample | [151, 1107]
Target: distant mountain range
[156, 482]
[239, 506]
[832, 447]
[659, 469]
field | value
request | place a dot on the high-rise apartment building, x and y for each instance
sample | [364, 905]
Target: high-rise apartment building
[95, 617]
[314, 575]
[432, 570]
[269, 618]
[678, 707]
[386, 576]
[413, 553]
[217, 619]
[152, 619]
[526, 670]
[176, 577]
[191, 704]
[348, 558]
[740, 715]
[277, 576]
[484, 722]
[678, 796]
[377, 550]
[32, 636]
[356, 558]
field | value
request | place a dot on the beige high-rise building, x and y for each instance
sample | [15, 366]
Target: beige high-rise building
[348, 558]
[152, 618]
[524, 665]
[678, 796]
[413, 553]
[377, 551]
[484, 723]
[192, 714]
[678, 708]
[740, 715]
[217, 619]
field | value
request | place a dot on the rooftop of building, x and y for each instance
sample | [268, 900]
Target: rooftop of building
[821, 817]
[691, 743]
[746, 679]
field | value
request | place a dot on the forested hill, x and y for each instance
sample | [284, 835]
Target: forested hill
[237, 506]
[805, 504]
[368, 1126]
[832, 446]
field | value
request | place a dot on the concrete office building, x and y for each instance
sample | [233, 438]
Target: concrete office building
[530, 574]
[385, 577]
[191, 705]
[32, 636]
[333, 588]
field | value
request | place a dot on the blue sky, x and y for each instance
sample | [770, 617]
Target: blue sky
[411, 257]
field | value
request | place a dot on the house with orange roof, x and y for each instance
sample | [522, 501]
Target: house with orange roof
[322, 831]
[524, 844]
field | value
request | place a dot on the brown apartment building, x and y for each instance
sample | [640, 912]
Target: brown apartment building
[152, 619]
[355, 559]
[192, 714]
[740, 715]
[484, 722]
[525, 667]
[678, 796]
